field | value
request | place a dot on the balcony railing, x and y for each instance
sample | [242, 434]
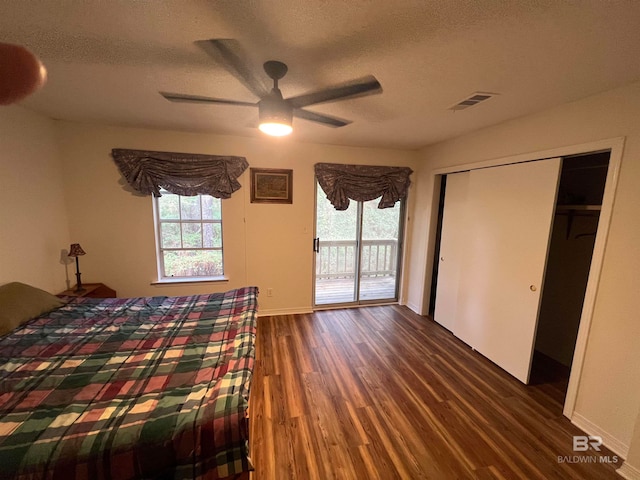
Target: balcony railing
[337, 258]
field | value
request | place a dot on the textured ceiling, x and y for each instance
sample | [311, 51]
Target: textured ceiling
[107, 60]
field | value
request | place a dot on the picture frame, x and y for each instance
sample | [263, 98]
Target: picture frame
[271, 185]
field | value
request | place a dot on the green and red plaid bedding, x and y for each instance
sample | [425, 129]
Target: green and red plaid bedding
[129, 388]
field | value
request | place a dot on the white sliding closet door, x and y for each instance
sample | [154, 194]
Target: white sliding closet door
[452, 243]
[509, 214]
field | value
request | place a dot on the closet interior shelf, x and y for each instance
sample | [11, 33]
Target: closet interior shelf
[578, 208]
[572, 210]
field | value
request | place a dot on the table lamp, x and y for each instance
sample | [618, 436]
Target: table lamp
[75, 251]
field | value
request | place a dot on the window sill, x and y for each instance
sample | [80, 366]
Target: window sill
[181, 281]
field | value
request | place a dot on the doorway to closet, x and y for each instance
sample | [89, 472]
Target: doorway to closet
[513, 256]
[575, 226]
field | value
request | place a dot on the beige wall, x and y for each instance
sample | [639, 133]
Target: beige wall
[265, 244]
[33, 219]
[609, 389]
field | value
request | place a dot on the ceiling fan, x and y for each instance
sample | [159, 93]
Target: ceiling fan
[276, 112]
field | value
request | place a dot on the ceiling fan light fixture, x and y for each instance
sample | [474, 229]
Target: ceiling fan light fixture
[275, 129]
[276, 115]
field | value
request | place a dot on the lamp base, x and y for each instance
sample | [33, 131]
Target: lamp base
[79, 287]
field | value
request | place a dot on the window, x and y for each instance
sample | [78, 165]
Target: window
[189, 236]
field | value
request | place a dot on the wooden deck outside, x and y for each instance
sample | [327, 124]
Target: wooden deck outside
[340, 290]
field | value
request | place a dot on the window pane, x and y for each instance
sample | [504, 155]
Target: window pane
[212, 235]
[333, 224]
[190, 208]
[193, 263]
[180, 229]
[211, 208]
[191, 235]
[380, 223]
[169, 205]
[170, 235]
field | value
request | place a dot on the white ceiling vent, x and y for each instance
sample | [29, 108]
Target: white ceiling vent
[473, 99]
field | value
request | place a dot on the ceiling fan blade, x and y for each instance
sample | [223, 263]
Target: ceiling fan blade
[356, 88]
[181, 98]
[320, 118]
[227, 52]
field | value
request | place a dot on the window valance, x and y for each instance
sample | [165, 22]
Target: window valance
[363, 183]
[180, 173]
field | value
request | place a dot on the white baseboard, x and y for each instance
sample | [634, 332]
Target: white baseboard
[284, 311]
[612, 443]
[414, 307]
[628, 472]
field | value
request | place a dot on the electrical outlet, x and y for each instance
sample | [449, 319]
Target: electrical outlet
[269, 292]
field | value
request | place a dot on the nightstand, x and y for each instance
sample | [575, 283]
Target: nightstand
[91, 290]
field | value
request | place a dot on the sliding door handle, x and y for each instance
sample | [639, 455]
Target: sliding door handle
[316, 245]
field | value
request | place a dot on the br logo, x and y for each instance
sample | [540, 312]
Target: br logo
[582, 443]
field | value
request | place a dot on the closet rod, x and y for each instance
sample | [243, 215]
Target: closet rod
[584, 167]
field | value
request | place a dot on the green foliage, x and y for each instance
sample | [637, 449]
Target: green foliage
[190, 208]
[332, 224]
[380, 224]
[176, 207]
[193, 263]
[211, 208]
[377, 224]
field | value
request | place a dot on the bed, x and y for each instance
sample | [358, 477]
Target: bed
[132, 388]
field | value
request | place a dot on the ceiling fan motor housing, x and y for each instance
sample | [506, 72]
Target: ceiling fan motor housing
[274, 109]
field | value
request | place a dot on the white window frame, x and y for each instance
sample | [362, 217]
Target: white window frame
[162, 277]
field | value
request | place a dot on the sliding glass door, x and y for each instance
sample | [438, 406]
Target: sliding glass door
[357, 252]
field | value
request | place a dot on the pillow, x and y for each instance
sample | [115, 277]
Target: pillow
[20, 302]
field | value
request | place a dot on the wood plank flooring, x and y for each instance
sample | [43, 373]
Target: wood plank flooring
[382, 393]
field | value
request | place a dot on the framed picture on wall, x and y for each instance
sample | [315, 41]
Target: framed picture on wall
[271, 185]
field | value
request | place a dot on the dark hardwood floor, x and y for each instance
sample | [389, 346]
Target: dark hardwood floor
[382, 393]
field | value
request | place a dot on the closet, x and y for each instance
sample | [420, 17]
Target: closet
[499, 242]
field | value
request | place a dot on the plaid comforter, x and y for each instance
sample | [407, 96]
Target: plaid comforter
[129, 388]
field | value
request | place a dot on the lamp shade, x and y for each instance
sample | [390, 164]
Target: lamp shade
[75, 250]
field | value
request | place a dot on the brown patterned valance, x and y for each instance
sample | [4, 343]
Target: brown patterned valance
[363, 183]
[180, 173]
